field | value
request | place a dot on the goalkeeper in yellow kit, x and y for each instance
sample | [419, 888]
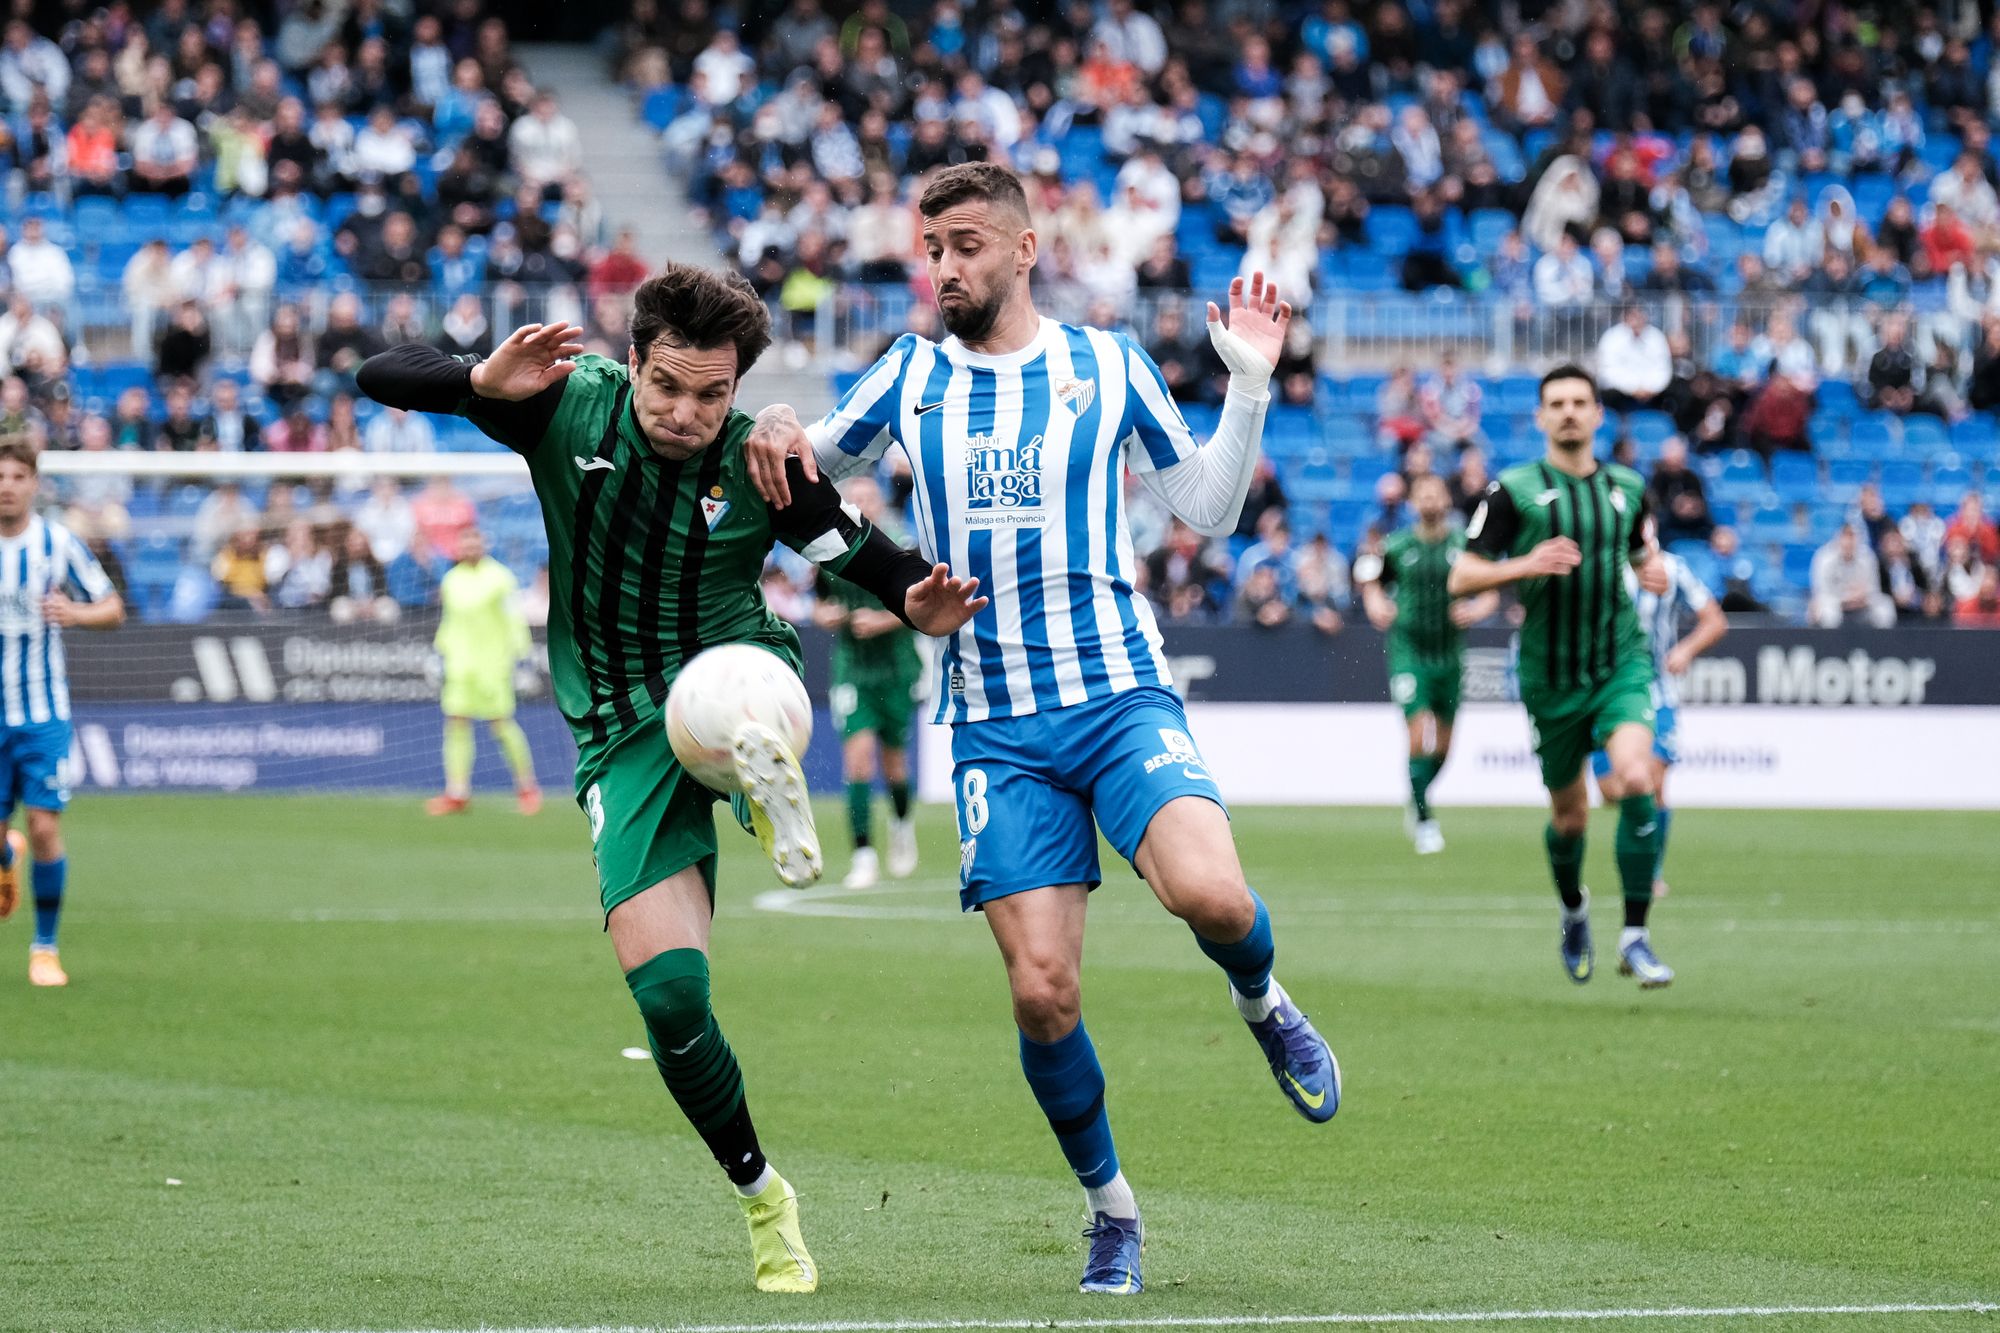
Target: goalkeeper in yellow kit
[481, 637]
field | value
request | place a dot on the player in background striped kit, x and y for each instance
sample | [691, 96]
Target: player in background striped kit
[49, 581]
[1019, 430]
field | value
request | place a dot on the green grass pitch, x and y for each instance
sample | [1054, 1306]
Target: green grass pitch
[327, 1064]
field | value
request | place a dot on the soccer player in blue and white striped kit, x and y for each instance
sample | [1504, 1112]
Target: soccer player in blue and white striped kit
[1018, 431]
[1661, 616]
[49, 581]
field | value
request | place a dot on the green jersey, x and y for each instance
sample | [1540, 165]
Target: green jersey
[885, 661]
[650, 559]
[1581, 627]
[1414, 571]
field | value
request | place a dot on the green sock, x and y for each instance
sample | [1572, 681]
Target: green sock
[694, 1060]
[514, 744]
[1566, 864]
[1424, 769]
[860, 810]
[457, 757]
[1638, 854]
[1666, 827]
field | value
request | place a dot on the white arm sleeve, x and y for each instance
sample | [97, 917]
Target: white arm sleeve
[858, 431]
[1206, 489]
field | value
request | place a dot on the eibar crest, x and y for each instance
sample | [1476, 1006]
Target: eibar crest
[1076, 394]
[713, 509]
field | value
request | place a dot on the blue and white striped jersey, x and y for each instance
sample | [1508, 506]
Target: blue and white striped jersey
[1661, 614]
[1019, 463]
[45, 557]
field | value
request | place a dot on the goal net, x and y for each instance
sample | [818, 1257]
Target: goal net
[281, 610]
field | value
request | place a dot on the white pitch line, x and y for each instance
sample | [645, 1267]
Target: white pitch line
[1275, 1320]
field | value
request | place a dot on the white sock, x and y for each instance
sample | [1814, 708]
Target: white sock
[1114, 1198]
[1629, 935]
[1255, 1009]
[760, 1184]
[1582, 909]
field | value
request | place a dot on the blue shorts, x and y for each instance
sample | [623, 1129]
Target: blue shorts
[1665, 749]
[32, 760]
[1029, 787]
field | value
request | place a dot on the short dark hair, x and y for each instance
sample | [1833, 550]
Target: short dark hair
[970, 181]
[1568, 370]
[692, 306]
[20, 449]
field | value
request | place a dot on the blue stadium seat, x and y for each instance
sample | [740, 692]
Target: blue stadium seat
[1741, 479]
[1795, 478]
[1770, 523]
[1924, 437]
[1516, 395]
[1489, 226]
[1837, 397]
[1649, 428]
[1345, 520]
[1391, 230]
[1290, 433]
[1902, 482]
[1950, 480]
[1797, 566]
[1315, 477]
[1845, 477]
[1828, 433]
[1976, 438]
[1874, 436]
[409, 582]
[1347, 435]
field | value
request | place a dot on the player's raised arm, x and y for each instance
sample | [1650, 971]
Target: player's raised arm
[846, 439]
[831, 535]
[512, 395]
[1205, 484]
[1486, 564]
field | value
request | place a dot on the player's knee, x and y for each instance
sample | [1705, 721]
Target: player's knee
[1635, 779]
[673, 1005]
[1047, 1000]
[1570, 822]
[45, 835]
[1218, 908]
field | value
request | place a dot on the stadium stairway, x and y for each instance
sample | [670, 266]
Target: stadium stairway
[621, 155]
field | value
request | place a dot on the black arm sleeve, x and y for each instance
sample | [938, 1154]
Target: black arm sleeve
[845, 545]
[1494, 524]
[417, 378]
[1642, 531]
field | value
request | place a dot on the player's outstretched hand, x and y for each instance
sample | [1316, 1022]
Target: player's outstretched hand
[1554, 558]
[778, 435]
[1251, 343]
[533, 357]
[941, 604]
[1653, 576]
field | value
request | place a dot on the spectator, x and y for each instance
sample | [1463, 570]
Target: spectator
[40, 268]
[1679, 499]
[1563, 277]
[28, 337]
[296, 433]
[150, 289]
[247, 274]
[1785, 355]
[131, 420]
[19, 416]
[1261, 599]
[1847, 581]
[299, 572]
[232, 429]
[1969, 195]
[1181, 576]
[165, 153]
[1982, 609]
[343, 431]
[343, 346]
[441, 511]
[181, 431]
[1794, 243]
[464, 330]
[239, 569]
[1451, 404]
[1904, 581]
[1947, 241]
[185, 345]
[31, 67]
[1893, 373]
[387, 521]
[621, 270]
[1923, 533]
[1399, 409]
[282, 360]
[1563, 204]
[1634, 363]
[1272, 550]
[1187, 361]
[1468, 484]
[382, 147]
[1265, 496]
[1971, 525]
[1778, 417]
[1874, 515]
[1323, 583]
[545, 145]
[1739, 572]
[358, 584]
[394, 431]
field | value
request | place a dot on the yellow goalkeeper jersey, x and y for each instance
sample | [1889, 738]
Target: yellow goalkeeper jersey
[482, 627]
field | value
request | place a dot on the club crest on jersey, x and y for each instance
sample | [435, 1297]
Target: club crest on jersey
[713, 507]
[1002, 477]
[1618, 501]
[1076, 394]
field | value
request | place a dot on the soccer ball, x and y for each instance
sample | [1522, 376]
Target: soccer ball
[718, 691]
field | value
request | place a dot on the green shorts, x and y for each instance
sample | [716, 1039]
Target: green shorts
[1420, 688]
[648, 818]
[884, 706]
[1567, 725]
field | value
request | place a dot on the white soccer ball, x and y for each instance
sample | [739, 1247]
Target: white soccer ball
[718, 691]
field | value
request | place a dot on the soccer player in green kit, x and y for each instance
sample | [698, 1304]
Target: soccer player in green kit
[657, 543]
[876, 670]
[1563, 528]
[1424, 627]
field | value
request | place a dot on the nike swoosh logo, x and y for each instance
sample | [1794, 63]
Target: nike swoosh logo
[931, 407]
[1314, 1100]
[1198, 777]
[682, 1050]
[596, 465]
[1644, 830]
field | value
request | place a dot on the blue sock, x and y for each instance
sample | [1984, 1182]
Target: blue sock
[48, 883]
[1248, 961]
[1666, 817]
[6, 850]
[1069, 1084]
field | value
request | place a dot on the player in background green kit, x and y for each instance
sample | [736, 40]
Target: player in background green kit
[481, 636]
[657, 542]
[1563, 529]
[1404, 592]
[876, 673]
